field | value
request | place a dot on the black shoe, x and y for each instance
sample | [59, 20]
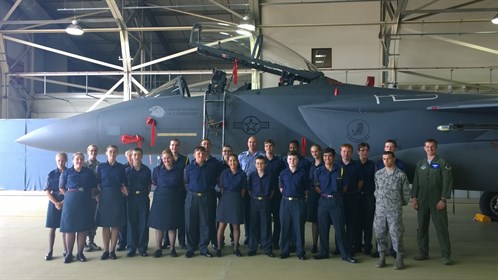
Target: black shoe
[301, 257]
[271, 255]
[48, 256]
[104, 256]
[121, 248]
[375, 254]
[336, 252]
[158, 253]
[350, 260]
[80, 257]
[237, 252]
[320, 257]
[284, 256]
[218, 253]
[420, 257]
[251, 253]
[130, 254]
[68, 258]
[165, 246]
[207, 254]
[189, 254]
[112, 255]
[173, 253]
[144, 254]
[314, 250]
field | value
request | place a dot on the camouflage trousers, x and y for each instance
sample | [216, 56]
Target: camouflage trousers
[392, 221]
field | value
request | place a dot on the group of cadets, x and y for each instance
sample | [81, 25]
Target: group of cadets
[273, 197]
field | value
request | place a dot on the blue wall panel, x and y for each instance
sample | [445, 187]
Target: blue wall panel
[12, 167]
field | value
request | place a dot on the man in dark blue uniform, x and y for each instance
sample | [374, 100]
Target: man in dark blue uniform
[328, 182]
[352, 185]
[215, 165]
[275, 165]
[138, 202]
[260, 191]
[293, 184]
[198, 178]
[367, 199]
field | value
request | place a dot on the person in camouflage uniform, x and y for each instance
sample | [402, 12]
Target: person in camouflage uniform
[392, 192]
[432, 185]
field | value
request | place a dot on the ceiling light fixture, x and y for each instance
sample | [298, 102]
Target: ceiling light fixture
[74, 29]
[494, 20]
[247, 23]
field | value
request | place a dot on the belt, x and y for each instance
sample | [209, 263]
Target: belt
[138, 192]
[76, 190]
[322, 195]
[199, 193]
[292, 198]
[260, 197]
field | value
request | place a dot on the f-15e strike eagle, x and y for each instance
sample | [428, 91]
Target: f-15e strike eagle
[306, 105]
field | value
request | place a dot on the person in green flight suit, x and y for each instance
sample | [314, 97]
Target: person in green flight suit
[431, 188]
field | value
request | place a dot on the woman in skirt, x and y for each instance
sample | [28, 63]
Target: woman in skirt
[167, 202]
[55, 200]
[76, 184]
[233, 183]
[111, 213]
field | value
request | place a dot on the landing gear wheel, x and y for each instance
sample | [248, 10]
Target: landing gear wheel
[488, 204]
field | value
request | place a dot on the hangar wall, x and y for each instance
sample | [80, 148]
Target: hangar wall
[352, 46]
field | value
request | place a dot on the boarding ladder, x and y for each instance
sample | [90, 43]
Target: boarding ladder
[214, 110]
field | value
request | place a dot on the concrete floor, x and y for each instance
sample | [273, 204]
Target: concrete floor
[23, 241]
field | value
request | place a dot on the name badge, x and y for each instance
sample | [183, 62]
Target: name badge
[435, 165]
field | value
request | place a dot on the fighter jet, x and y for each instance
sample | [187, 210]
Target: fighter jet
[306, 105]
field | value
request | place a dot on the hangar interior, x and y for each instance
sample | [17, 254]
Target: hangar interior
[130, 48]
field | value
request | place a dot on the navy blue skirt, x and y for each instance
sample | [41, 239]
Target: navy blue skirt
[166, 212]
[76, 211]
[231, 208]
[53, 214]
[111, 208]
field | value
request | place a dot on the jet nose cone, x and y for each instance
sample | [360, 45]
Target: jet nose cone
[70, 135]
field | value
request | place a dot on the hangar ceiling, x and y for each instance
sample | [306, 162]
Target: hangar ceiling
[153, 36]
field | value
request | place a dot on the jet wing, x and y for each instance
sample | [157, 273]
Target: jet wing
[489, 106]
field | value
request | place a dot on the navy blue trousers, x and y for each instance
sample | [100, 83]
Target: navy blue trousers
[292, 219]
[260, 225]
[137, 223]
